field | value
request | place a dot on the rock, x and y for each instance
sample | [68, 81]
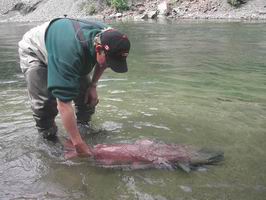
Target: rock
[153, 14]
[176, 10]
[114, 16]
[262, 13]
[145, 16]
[110, 17]
[18, 6]
[25, 8]
[141, 10]
[118, 15]
[163, 8]
[140, 5]
[133, 8]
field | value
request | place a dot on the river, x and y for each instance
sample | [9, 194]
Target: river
[198, 83]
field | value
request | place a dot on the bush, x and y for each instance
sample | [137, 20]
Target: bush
[119, 5]
[90, 8]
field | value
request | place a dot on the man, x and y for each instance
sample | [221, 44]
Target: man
[56, 58]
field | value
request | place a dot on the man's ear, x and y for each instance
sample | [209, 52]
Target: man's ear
[98, 48]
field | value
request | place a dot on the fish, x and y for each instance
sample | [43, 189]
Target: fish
[146, 153]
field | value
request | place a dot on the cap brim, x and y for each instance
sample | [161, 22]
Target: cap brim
[117, 65]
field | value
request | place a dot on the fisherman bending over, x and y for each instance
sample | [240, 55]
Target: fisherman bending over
[56, 59]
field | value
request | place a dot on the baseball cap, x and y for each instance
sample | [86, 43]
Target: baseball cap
[116, 46]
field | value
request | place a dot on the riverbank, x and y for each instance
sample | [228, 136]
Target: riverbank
[42, 10]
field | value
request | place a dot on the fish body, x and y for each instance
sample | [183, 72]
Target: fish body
[151, 154]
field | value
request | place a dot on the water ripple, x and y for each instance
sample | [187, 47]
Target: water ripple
[139, 125]
[112, 126]
[132, 188]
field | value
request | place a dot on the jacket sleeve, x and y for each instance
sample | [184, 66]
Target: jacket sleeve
[63, 79]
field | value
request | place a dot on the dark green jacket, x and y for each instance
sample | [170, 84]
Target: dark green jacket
[65, 56]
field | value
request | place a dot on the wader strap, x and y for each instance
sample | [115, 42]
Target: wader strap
[82, 41]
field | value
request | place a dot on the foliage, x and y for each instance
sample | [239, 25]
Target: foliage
[119, 5]
[236, 3]
[108, 2]
[90, 8]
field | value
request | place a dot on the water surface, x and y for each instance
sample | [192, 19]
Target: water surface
[198, 83]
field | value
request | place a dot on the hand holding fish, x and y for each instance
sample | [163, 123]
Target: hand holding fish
[78, 150]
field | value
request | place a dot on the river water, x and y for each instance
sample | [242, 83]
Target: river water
[197, 83]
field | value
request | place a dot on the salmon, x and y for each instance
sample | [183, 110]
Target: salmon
[151, 154]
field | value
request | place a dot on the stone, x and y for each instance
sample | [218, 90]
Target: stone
[145, 16]
[162, 8]
[24, 8]
[262, 13]
[176, 10]
[153, 14]
[141, 10]
[19, 6]
[110, 17]
[118, 15]
[140, 5]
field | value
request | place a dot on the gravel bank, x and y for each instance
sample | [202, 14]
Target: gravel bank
[42, 10]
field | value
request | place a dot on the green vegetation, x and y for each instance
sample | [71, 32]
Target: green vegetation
[90, 7]
[236, 3]
[119, 5]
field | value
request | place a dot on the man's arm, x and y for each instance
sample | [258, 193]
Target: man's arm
[67, 113]
[98, 71]
[91, 95]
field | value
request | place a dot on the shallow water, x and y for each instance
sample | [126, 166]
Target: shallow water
[198, 83]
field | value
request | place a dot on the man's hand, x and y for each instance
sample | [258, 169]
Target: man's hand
[91, 97]
[83, 149]
[76, 145]
[78, 150]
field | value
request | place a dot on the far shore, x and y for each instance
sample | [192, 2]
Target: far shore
[151, 10]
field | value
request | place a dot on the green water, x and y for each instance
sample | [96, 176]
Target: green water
[198, 83]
